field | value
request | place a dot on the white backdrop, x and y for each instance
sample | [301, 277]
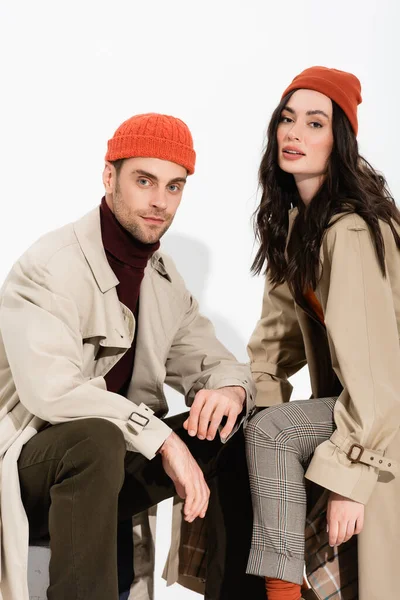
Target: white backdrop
[73, 71]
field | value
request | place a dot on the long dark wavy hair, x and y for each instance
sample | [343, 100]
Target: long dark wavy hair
[351, 185]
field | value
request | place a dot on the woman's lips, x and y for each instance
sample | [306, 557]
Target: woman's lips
[292, 155]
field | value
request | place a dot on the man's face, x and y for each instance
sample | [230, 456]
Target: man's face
[145, 195]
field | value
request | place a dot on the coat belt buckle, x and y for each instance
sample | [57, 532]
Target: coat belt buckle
[143, 423]
[357, 459]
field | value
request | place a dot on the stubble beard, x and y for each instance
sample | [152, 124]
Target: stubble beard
[131, 221]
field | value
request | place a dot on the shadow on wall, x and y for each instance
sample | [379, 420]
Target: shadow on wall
[192, 259]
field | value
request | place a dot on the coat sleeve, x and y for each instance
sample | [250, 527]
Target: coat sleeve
[197, 359]
[40, 327]
[276, 347]
[362, 331]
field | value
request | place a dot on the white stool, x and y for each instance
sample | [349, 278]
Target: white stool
[38, 573]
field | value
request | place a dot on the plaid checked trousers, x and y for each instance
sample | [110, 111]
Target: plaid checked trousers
[280, 442]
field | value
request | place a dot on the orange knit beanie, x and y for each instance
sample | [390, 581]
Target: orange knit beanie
[153, 136]
[344, 88]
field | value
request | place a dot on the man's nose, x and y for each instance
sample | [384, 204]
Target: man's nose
[159, 199]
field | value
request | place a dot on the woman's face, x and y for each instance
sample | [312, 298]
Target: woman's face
[304, 135]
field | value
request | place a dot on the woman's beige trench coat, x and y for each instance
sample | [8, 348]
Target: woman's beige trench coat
[361, 344]
[62, 328]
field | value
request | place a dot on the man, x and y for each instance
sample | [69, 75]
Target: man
[93, 320]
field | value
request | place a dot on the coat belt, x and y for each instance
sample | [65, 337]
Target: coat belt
[357, 453]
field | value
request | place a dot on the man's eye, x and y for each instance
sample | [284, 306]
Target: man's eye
[174, 188]
[143, 182]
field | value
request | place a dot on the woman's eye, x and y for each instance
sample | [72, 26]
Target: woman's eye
[286, 120]
[315, 125]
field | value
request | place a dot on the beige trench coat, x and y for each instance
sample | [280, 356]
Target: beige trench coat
[361, 346]
[62, 328]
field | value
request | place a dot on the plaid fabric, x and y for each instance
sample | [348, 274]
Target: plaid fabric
[192, 550]
[280, 443]
[331, 572]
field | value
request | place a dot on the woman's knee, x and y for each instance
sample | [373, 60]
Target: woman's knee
[258, 426]
[271, 425]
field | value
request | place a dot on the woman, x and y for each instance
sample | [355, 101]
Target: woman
[329, 237]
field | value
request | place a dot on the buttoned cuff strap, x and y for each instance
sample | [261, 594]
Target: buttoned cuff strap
[268, 369]
[140, 418]
[356, 453]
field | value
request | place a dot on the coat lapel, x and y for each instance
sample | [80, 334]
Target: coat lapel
[109, 319]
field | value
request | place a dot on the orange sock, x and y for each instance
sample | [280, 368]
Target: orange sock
[282, 590]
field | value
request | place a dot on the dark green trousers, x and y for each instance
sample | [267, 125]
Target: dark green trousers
[78, 481]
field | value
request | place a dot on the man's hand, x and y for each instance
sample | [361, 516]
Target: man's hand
[210, 407]
[187, 476]
[345, 518]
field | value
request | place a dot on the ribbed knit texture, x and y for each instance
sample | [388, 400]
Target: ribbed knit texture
[128, 259]
[342, 87]
[153, 136]
[282, 590]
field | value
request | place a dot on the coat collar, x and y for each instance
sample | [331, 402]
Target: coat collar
[88, 233]
[293, 212]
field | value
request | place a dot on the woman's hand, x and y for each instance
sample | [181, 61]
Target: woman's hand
[345, 518]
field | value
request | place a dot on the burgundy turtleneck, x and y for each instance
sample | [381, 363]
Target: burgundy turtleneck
[128, 258]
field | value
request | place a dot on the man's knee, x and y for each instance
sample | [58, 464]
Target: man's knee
[88, 452]
[101, 431]
[97, 444]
